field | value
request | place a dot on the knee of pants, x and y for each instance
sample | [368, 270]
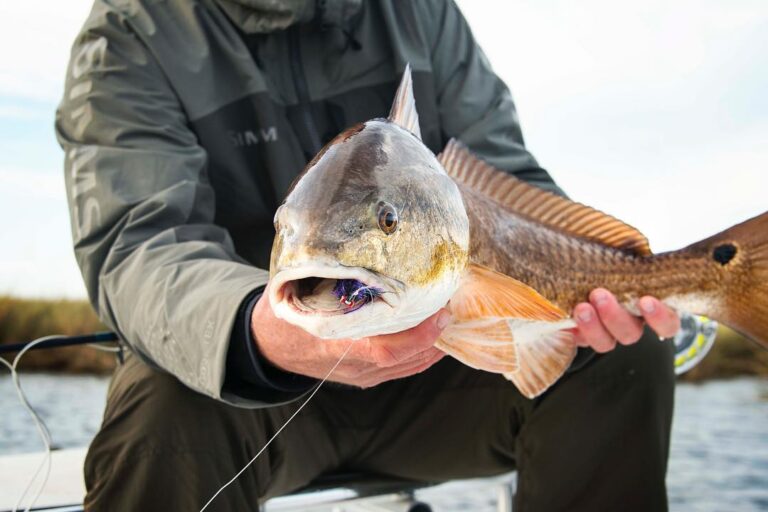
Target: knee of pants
[158, 434]
[152, 408]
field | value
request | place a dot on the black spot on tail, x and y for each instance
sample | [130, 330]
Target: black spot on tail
[724, 253]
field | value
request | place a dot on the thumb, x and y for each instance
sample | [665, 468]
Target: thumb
[403, 345]
[429, 330]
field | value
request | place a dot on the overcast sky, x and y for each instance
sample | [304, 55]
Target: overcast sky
[654, 111]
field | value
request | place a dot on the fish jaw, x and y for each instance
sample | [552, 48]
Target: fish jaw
[307, 290]
[303, 295]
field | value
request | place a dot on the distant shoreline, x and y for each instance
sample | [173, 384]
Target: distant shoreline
[28, 319]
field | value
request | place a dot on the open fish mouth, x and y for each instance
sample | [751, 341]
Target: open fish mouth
[330, 291]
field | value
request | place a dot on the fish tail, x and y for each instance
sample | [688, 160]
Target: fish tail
[740, 258]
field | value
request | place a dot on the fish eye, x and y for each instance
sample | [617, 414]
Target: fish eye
[387, 218]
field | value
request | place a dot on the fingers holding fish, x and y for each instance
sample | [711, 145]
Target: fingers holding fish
[368, 361]
[394, 349]
[660, 317]
[416, 364]
[602, 322]
[591, 332]
[379, 359]
[620, 323]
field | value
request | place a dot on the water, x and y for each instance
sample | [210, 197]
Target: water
[719, 457]
[71, 406]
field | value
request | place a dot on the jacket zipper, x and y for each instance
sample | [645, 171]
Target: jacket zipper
[302, 92]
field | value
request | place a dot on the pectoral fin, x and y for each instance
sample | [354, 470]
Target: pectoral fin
[504, 326]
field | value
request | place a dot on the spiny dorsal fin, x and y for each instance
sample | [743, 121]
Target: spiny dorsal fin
[539, 205]
[504, 326]
[404, 107]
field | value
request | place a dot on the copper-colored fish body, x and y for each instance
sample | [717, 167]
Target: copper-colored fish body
[565, 257]
[565, 268]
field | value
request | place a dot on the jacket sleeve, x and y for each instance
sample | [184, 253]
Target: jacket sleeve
[157, 269]
[475, 106]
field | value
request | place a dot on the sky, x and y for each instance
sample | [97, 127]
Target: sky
[654, 111]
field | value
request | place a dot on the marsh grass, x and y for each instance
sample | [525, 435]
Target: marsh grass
[27, 319]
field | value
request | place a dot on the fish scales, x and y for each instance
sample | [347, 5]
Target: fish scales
[564, 268]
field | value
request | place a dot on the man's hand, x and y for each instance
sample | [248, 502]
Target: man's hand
[602, 322]
[369, 362]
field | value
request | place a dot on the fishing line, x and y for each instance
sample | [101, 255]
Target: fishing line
[42, 428]
[274, 436]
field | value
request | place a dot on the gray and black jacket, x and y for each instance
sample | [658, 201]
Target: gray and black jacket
[185, 121]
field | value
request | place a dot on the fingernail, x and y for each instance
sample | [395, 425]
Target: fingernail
[648, 305]
[600, 297]
[585, 315]
[443, 319]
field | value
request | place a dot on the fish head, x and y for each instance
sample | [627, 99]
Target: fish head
[372, 238]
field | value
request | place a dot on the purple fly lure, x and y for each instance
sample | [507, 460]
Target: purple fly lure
[354, 294]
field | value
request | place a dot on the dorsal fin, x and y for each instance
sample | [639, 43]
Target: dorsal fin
[539, 205]
[404, 107]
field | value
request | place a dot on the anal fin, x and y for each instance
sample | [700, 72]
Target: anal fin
[504, 326]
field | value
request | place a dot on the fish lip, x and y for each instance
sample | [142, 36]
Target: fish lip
[281, 281]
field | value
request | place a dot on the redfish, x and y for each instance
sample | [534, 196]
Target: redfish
[378, 233]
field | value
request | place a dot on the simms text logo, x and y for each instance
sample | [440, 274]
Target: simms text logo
[253, 137]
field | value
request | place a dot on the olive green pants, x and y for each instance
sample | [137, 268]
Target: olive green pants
[597, 441]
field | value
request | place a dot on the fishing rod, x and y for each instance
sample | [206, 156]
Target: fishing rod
[62, 341]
